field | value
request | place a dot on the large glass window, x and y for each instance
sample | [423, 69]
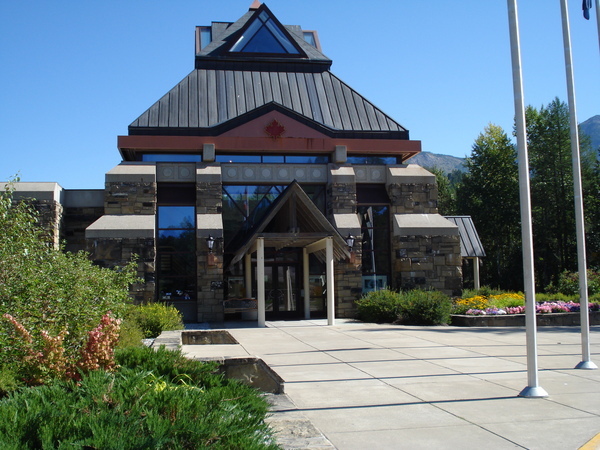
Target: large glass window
[264, 36]
[374, 160]
[374, 213]
[245, 205]
[171, 157]
[277, 159]
[176, 255]
[176, 246]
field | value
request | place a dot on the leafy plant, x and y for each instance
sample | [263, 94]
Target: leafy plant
[568, 283]
[382, 306]
[135, 408]
[419, 307]
[154, 318]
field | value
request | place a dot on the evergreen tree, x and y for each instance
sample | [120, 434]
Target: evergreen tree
[446, 192]
[489, 193]
[552, 196]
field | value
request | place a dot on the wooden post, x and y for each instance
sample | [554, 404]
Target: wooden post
[330, 281]
[305, 269]
[260, 280]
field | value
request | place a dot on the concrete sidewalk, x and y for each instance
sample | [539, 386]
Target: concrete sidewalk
[387, 386]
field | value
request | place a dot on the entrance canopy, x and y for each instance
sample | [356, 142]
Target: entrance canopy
[293, 220]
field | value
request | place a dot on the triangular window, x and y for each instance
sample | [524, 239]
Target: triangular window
[264, 35]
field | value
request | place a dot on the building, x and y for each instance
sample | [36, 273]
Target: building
[263, 175]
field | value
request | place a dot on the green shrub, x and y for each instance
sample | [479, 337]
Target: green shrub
[48, 290]
[170, 364]
[154, 318]
[557, 297]
[131, 334]
[378, 306]
[568, 283]
[420, 307]
[134, 408]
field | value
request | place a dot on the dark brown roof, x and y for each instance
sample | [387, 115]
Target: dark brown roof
[206, 99]
[229, 88]
[470, 244]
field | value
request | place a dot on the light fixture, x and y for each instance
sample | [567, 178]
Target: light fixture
[350, 242]
[210, 242]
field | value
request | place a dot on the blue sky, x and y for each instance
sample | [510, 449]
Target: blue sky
[75, 74]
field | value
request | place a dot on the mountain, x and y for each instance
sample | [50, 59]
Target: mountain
[446, 163]
[591, 127]
[449, 164]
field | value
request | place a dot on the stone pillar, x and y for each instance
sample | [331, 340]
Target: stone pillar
[209, 222]
[342, 213]
[130, 188]
[425, 245]
[47, 199]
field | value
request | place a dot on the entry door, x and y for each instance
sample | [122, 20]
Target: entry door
[282, 294]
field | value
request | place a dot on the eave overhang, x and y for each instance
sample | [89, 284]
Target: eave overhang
[130, 145]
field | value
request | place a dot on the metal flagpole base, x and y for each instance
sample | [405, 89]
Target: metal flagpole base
[533, 392]
[586, 365]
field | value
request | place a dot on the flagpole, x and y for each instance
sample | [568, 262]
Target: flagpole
[533, 389]
[586, 362]
[598, 20]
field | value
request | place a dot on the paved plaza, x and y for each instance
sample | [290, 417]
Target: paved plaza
[388, 386]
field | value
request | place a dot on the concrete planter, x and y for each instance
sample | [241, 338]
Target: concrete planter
[518, 320]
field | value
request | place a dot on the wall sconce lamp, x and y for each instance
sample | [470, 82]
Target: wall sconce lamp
[211, 259]
[210, 243]
[350, 243]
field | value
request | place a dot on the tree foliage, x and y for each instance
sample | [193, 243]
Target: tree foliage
[446, 192]
[489, 193]
[552, 194]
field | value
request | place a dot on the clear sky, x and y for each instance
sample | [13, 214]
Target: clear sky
[75, 74]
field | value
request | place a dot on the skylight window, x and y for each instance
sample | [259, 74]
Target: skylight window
[264, 36]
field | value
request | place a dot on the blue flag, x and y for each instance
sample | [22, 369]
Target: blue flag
[587, 5]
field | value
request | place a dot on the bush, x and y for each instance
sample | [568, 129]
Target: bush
[136, 408]
[568, 283]
[154, 318]
[50, 301]
[420, 307]
[411, 307]
[170, 364]
[378, 306]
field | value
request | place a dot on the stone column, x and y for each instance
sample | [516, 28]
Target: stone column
[209, 222]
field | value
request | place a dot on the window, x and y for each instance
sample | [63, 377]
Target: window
[205, 36]
[174, 157]
[245, 205]
[374, 214]
[374, 160]
[276, 159]
[176, 242]
[264, 35]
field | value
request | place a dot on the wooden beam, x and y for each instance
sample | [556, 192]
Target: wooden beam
[316, 246]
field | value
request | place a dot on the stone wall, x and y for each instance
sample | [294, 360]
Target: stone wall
[413, 198]
[128, 197]
[348, 288]
[50, 219]
[426, 262]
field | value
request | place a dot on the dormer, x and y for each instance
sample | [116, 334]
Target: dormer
[259, 40]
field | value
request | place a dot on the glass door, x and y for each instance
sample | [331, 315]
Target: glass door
[282, 294]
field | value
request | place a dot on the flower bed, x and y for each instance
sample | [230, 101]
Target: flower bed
[518, 320]
[505, 310]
